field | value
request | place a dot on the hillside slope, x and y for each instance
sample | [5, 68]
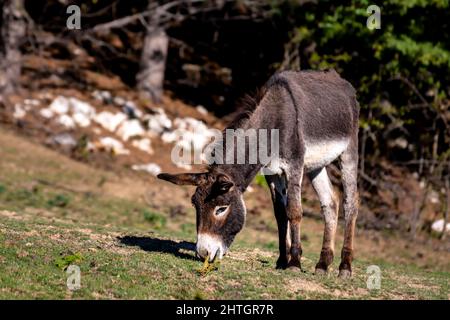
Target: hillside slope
[132, 237]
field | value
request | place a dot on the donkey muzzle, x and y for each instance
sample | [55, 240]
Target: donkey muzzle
[210, 246]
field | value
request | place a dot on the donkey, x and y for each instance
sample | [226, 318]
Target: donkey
[316, 113]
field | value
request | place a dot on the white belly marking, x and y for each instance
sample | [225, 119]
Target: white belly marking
[321, 153]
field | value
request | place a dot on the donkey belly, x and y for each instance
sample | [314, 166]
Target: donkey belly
[321, 153]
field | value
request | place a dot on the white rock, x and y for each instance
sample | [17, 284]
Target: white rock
[19, 112]
[113, 145]
[60, 105]
[46, 113]
[151, 168]
[64, 139]
[96, 95]
[110, 121]
[169, 136]
[201, 109]
[82, 119]
[66, 121]
[90, 146]
[103, 96]
[32, 102]
[119, 101]
[143, 144]
[438, 226]
[192, 133]
[130, 128]
[78, 106]
[159, 122]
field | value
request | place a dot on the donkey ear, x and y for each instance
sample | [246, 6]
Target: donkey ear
[194, 179]
[223, 183]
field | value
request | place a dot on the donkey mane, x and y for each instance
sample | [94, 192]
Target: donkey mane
[246, 105]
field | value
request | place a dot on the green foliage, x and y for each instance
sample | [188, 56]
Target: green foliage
[401, 71]
[260, 180]
[64, 261]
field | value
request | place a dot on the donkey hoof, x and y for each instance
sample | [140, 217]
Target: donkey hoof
[295, 268]
[281, 263]
[294, 265]
[320, 272]
[345, 274]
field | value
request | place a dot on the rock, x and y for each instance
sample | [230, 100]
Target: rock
[201, 109]
[103, 96]
[438, 226]
[32, 102]
[110, 121]
[143, 144]
[130, 128]
[60, 105]
[63, 139]
[112, 145]
[159, 122]
[169, 136]
[192, 133]
[78, 106]
[119, 101]
[151, 168]
[66, 121]
[82, 119]
[46, 113]
[433, 197]
[19, 112]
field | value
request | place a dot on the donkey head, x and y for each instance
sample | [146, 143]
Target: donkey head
[219, 207]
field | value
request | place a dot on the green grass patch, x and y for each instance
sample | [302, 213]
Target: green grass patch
[155, 219]
[64, 261]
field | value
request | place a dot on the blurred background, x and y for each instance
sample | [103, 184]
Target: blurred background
[112, 93]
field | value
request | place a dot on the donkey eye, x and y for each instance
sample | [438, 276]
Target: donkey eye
[221, 210]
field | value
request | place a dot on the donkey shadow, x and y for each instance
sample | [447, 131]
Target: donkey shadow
[161, 245]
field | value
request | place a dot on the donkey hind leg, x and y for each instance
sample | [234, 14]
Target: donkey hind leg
[330, 207]
[294, 214]
[349, 167]
[278, 191]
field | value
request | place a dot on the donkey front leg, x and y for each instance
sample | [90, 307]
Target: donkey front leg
[330, 208]
[349, 166]
[294, 215]
[278, 191]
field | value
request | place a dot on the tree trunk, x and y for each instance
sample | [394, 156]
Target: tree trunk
[12, 32]
[150, 78]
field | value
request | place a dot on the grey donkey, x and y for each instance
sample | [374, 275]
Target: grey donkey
[317, 115]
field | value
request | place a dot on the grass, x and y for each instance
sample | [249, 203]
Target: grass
[129, 248]
[35, 252]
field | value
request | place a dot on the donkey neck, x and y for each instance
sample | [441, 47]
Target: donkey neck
[243, 174]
